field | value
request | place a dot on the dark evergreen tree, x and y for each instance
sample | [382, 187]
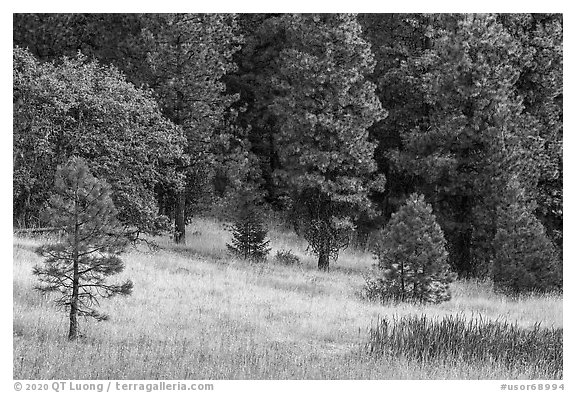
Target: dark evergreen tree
[525, 259]
[473, 136]
[473, 100]
[254, 81]
[112, 39]
[541, 85]
[324, 106]
[77, 266]
[248, 231]
[398, 42]
[188, 54]
[412, 256]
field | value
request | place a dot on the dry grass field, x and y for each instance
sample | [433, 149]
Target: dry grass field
[197, 313]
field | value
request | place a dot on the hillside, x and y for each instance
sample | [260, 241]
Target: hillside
[198, 314]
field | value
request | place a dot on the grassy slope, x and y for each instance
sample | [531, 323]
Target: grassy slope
[197, 314]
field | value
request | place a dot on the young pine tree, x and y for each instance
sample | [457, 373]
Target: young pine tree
[248, 232]
[77, 266]
[412, 256]
[525, 258]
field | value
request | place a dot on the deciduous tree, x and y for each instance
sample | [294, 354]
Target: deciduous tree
[79, 108]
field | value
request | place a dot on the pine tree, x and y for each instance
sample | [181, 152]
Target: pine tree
[472, 133]
[412, 256]
[254, 82]
[324, 107]
[525, 258]
[188, 54]
[540, 85]
[78, 265]
[248, 232]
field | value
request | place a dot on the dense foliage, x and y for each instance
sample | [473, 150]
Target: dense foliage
[78, 265]
[79, 108]
[333, 119]
[187, 55]
[324, 107]
[525, 259]
[474, 101]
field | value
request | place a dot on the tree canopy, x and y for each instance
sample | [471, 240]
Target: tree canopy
[79, 108]
[333, 119]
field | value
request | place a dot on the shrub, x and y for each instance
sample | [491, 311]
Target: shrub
[454, 339]
[412, 257]
[286, 258]
[375, 289]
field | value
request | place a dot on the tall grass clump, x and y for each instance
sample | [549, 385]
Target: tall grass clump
[454, 339]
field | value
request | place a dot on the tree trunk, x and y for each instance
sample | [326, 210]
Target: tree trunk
[180, 221]
[402, 289]
[162, 203]
[323, 261]
[73, 332]
[23, 221]
[463, 253]
[463, 241]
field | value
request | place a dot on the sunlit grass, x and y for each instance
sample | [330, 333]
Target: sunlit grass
[197, 313]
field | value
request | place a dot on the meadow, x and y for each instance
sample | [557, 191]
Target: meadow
[198, 313]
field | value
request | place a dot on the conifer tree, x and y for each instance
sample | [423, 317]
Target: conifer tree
[472, 133]
[540, 84]
[525, 258]
[248, 232]
[412, 256]
[77, 266]
[188, 54]
[324, 107]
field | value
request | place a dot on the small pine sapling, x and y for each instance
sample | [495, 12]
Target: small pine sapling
[249, 233]
[77, 266]
[286, 257]
[412, 257]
